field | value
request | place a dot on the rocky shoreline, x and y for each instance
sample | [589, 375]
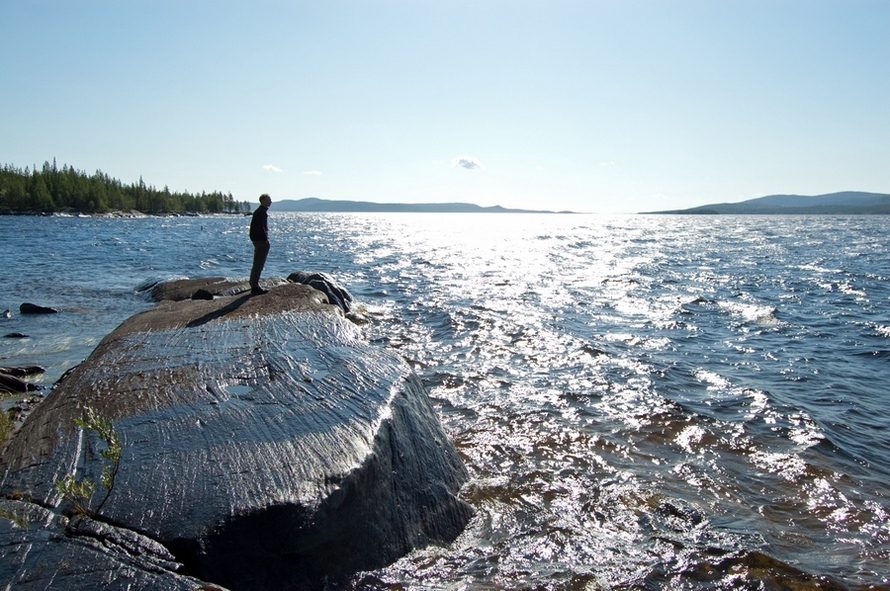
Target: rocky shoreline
[264, 444]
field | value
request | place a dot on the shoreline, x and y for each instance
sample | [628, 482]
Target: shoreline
[116, 214]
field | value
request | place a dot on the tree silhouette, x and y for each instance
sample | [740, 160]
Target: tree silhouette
[52, 189]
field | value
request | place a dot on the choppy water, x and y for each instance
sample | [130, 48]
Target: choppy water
[642, 401]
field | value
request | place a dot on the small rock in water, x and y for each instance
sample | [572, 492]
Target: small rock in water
[15, 335]
[10, 383]
[22, 370]
[29, 308]
[7, 313]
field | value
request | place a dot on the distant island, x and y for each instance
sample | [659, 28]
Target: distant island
[844, 203]
[313, 204]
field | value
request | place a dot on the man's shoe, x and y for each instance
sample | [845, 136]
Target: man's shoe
[258, 291]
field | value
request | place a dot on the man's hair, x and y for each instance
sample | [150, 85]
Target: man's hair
[264, 195]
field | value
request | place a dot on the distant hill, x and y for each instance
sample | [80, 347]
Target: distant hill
[313, 204]
[845, 203]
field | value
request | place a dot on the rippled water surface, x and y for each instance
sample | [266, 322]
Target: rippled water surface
[642, 401]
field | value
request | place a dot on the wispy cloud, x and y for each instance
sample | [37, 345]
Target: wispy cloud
[271, 167]
[312, 172]
[467, 162]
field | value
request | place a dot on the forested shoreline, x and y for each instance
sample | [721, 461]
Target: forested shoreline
[66, 189]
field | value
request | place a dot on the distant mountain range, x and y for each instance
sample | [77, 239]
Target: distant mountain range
[845, 203]
[313, 204]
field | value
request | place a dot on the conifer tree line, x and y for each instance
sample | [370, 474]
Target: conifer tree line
[54, 189]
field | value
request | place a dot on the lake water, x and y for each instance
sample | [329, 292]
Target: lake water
[642, 401]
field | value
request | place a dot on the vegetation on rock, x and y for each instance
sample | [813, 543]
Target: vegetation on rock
[80, 492]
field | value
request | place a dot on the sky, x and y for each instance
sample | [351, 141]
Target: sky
[595, 105]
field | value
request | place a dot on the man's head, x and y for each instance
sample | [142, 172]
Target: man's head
[265, 200]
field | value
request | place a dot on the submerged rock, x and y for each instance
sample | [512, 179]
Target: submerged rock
[264, 442]
[29, 308]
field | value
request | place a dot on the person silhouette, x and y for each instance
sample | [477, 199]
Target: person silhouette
[259, 235]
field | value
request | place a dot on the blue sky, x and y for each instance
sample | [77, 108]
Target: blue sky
[603, 106]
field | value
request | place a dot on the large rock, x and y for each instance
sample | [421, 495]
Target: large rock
[210, 287]
[265, 443]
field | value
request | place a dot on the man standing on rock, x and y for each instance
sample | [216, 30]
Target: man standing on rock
[259, 235]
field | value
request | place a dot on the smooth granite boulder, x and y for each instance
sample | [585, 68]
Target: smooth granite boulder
[184, 289]
[265, 443]
[206, 288]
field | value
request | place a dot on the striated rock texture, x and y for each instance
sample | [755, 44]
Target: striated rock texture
[40, 549]
[265, 444]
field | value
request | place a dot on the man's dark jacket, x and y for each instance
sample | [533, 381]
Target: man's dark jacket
[259, 224]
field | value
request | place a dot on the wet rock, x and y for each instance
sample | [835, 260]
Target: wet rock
[29, 308]
[22, 370]
[337, 294]
[264, 441]
[209, 287]
[42, 550]
[748, 570]
[184, 289]
[15, 335]
[13, 384]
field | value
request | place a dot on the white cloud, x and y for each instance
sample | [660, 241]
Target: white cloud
[313, 172]
[467, 162]
[271, 167]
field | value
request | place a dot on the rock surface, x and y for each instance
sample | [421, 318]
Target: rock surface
[209, 287]
[22, 370]
[337, 296]
[29, 308]
[40, 549]
[265, 443]
[10, 383]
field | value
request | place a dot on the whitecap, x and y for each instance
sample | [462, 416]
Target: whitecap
[714, 379]
[759, 314]
[691, 435]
